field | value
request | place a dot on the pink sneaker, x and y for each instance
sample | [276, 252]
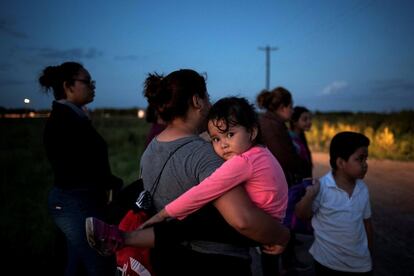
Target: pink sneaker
[104, 238]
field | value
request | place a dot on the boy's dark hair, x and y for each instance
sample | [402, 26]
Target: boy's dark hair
[235, 111]
[344, 144]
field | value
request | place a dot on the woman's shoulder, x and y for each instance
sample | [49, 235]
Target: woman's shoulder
[199, 147]
[190, 145]
[63, 112]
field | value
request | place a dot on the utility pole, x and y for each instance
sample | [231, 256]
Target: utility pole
[267, 49]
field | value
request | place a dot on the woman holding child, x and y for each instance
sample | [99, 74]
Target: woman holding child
[182, 101]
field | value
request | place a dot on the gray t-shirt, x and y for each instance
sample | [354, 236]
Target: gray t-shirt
[187, 167]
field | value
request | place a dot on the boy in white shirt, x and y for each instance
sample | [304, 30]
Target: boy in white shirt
[340, 210]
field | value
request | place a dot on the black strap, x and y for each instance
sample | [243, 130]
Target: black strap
[157, 180]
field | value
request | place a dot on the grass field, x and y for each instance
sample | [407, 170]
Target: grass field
[28, 233]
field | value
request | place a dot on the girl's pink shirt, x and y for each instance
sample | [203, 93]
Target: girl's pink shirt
[257, 169]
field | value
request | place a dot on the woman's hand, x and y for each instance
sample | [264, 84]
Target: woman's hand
[273, 249]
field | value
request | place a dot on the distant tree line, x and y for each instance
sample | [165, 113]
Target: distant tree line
[97, 112]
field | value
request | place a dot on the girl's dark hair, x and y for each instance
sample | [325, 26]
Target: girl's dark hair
[272, 100]
[297, 112]
[53, 77]
[171, 96]
[235, 111]
[344, 144]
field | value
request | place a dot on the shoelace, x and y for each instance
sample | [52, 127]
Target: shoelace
[138, 267]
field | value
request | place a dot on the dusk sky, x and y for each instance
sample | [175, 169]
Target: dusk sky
[355, 55]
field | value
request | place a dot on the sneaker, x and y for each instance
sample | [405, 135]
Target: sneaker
[104, 238]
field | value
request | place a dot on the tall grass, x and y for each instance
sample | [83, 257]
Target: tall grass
[391, 135]
[28, 235]
[125, 137]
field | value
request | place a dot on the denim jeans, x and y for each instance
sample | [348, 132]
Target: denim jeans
[69, 209]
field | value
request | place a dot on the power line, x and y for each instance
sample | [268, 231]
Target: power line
[268, 49]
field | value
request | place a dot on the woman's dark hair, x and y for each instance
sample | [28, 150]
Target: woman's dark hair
[272, 100]
[235, 111]
[344, 144]
[151, 114]
[171, 96]
[53, 77]
[297, 112]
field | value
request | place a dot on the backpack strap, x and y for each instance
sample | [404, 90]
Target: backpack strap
[157, 180]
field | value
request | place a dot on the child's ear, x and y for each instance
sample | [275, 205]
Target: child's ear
[340, 162]
[254, 133]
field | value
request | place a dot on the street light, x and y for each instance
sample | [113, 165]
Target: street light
[30, 114]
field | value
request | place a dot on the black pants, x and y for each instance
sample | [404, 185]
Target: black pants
[186, 262]
[321, 270]
[270, 264]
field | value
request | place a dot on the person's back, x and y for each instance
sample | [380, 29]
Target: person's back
[79, 159]
[197, 157]
[278, 106]
[188, 166]
[341, 209]
[64, 145]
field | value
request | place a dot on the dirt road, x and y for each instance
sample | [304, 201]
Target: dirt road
[391, 186]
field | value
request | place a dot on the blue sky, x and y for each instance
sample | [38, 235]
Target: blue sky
[355, 55]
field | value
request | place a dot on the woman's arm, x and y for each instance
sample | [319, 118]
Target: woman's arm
[206, 224]
[238, 210]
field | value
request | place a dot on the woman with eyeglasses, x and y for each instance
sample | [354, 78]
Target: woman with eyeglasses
[79, 159]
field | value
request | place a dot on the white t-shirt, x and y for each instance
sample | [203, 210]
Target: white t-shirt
[340, 238]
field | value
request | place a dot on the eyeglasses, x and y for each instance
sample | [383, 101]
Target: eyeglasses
[87, 82]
